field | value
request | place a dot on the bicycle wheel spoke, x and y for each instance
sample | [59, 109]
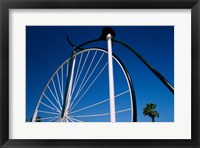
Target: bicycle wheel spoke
[83, 66]
[59, 87]
[124, 110]
[51, 102]
[93, 105]
[89, 69]
[53, 119]
[49, 107]
[53, 94]
[122, 93]
[94, 115]
[58, 119]
[70, 120]
[48, 112]
[46, 118]
[76, 120]
[56, 94]
[62, 85]
[104, 114]
[89, 86]
[98, 103]
[81, 87]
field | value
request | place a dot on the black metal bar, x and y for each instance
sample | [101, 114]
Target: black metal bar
[88, 42]
[73, 46]
[157, 73]
[69, 41]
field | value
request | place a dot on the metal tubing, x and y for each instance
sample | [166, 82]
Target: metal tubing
[111, 80]
[157, 73]
[67, 83]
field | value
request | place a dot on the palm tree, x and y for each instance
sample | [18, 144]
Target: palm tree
[149, 110]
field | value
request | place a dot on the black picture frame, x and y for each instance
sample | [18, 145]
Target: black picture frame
[5, 5]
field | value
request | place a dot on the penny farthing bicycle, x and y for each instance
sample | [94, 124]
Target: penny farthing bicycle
[92, 85]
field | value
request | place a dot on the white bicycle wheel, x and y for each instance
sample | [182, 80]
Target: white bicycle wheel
[89, 97]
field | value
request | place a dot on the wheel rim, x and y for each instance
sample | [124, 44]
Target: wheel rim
[90, 66]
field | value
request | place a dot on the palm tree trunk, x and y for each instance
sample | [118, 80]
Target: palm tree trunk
[153, 119]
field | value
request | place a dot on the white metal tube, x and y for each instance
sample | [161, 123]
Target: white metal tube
[70, 85]
[34, 116]
[111, 80]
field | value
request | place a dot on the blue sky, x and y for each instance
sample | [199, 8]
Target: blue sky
[47, 48]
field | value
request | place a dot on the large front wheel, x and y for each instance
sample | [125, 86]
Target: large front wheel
[89, 95]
